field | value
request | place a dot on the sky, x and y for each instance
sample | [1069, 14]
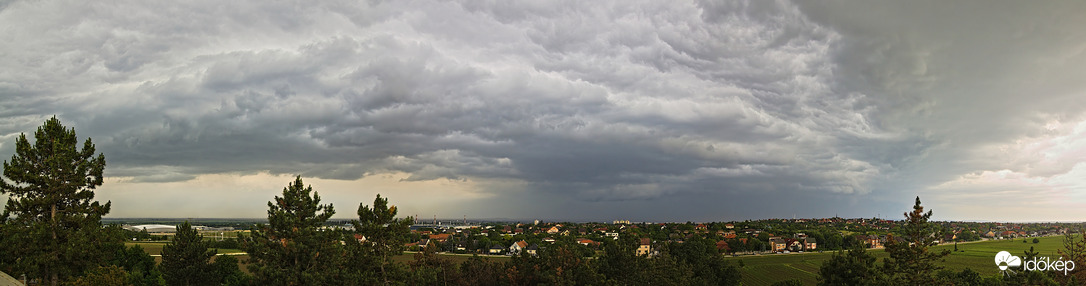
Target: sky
[565, 110]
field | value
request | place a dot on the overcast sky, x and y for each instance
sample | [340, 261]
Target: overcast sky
[565, 110]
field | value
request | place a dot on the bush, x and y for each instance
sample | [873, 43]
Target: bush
[1035, 240]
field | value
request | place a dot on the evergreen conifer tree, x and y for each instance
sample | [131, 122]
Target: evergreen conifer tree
[382, 236]
[293, 249]
[52, 223]
[910, 262]
[186, 258]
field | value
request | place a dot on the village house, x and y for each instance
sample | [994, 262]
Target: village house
[440, 238]
[809, 243]
[517, 247]
[586, 242]
[497, 249]
[872, 241]
[777, 244]
[645, 248]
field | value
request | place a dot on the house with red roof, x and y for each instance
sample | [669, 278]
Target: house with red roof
[517, 247]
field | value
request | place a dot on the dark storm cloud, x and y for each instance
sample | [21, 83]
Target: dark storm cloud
[596, 102]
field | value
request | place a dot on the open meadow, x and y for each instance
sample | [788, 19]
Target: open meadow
[979, 256]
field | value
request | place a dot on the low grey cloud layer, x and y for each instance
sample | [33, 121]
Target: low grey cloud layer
[751, 108]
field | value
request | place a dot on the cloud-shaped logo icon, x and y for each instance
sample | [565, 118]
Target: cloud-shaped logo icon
[1004, 259]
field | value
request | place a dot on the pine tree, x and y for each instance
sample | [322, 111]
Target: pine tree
[381, 235]
[52, 222]
[910, 262]
[185, 259]
[293, 249]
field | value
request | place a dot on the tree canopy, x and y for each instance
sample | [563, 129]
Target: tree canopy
[380, 236]
[910, 262]
[52, 223]
[293, 248]
[186, 259]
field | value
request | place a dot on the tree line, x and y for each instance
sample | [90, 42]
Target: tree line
[51, 231]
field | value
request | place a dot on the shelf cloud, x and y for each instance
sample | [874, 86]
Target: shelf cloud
[597, 110]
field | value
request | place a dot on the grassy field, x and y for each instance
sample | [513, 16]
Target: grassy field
[979, 256]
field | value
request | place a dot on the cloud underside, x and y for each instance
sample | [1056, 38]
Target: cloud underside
[598, 101]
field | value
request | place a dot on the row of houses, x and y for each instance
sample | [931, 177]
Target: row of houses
[513, 249]
[779, 244]
[1017, 234]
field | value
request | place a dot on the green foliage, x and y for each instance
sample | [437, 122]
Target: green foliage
[229, 243]
[966, 277]
[766, 269]
[621, 263]
[854, 267]
[967, 236]
[139, 265]
[1074, 249]
[478, 271]
[185, 259]
[102, 276]
[560, 264]
[430, 269]
[910, 262]
[293, 249]
[383, 237]
[56, 231]
[225, 269]
[708, 266]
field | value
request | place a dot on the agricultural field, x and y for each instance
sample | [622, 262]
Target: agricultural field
[154, 248]
[979, 256]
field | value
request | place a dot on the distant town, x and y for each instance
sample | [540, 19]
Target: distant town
[750, 237]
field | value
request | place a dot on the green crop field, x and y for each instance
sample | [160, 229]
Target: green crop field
[979, 256]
